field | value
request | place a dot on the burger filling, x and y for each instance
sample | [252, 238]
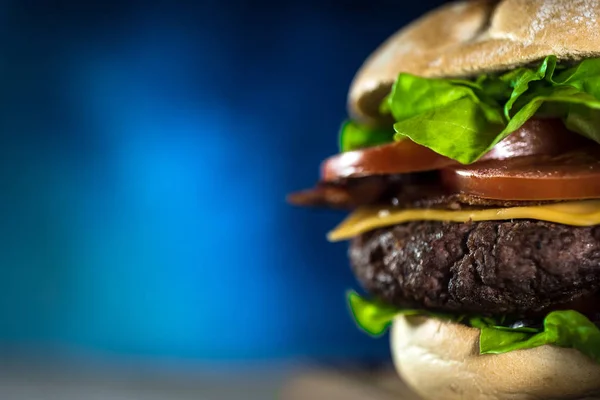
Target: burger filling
[524, 283]
[481, 206]
[465, 119]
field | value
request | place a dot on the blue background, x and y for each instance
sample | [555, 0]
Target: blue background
[146, 150]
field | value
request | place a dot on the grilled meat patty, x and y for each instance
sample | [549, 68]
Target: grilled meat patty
[522, 268]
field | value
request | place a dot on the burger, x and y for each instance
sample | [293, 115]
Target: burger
[470, 163]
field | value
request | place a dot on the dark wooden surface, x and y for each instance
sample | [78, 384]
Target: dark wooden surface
[54, 380]
[346, 384]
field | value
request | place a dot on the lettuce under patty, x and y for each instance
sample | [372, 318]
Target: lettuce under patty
[464, 119]
[566, 328]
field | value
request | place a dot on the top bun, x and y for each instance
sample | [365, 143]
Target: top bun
[467, 38]
[441, 360]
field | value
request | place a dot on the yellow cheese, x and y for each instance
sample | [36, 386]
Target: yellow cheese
[578, 213]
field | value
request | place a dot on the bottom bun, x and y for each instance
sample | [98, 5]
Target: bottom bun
[441, 360]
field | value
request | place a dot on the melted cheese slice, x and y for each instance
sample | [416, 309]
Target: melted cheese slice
[578, 213]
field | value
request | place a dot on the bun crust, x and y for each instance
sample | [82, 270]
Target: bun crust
[441, 360]
[471, 37]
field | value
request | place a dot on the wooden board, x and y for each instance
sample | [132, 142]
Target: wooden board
[354, 384]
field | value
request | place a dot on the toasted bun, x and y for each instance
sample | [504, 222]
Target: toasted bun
[471, 37]
[441, 360]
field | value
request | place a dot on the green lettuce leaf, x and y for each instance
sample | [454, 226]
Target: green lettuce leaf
[464, 119]
[354, 136]
[374, 317]
[561, 328]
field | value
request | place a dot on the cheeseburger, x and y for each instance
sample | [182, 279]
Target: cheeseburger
[471, 164]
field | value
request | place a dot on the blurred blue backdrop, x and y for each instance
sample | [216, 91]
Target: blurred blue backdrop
[146, 151]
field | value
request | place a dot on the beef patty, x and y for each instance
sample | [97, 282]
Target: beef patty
[522, 268]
